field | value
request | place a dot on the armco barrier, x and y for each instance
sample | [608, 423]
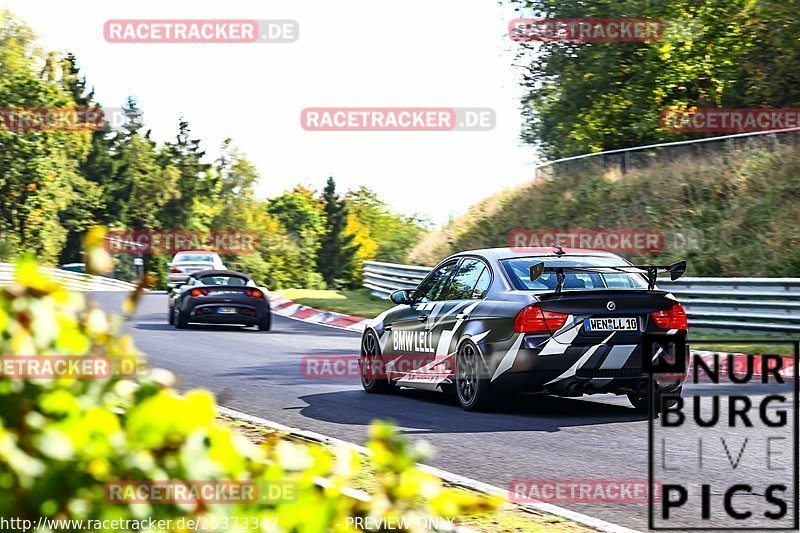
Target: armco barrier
[769, 305]
[74, 281]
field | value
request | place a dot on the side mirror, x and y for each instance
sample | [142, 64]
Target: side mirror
[400, 297]
[536, 271]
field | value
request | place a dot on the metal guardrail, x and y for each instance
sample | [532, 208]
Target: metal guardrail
[769, 305]
[73, 281]
[721, 148]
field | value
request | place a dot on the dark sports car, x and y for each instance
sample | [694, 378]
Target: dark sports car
[565, 322]
[219, 297]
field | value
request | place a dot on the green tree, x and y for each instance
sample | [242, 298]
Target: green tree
[335, 259]
[299, 214]
[39, 178]
[396, 234]
[193, 207]
[585, 97]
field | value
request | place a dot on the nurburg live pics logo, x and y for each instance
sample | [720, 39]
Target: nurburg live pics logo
[725, 453]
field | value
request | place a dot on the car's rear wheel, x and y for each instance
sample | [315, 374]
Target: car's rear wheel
[171, 316]
[472, 379]
[181, 320]
[373, 375]
[640, 401]
[265, 323]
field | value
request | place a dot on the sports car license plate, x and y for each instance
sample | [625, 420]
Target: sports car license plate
[612, 324]
[226, 310]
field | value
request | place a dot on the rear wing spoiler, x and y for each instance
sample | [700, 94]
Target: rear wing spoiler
[676, 270]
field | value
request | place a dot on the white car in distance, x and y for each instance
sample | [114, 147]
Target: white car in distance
[189, 261]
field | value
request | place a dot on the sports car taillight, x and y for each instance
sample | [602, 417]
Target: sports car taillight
[672, 318]
[198, 292]
[253, 293]
[533, 319]
[174, 271]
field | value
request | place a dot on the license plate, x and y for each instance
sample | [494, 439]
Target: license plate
[226, 310]
[612, 324]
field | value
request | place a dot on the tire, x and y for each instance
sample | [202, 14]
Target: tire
[181, 320]
[638, 401]
[171, 316]
[265, 324]
[471, 379]
[370, 351]
[641, 404]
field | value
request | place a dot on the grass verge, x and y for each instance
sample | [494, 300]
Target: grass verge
[356, 302]
[741, 342]
[507, 517]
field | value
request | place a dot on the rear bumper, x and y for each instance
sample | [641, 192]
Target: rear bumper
[533, 364]
[176, 280]
[245, 314]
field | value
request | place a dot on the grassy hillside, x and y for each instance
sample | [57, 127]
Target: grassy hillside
[748, 210]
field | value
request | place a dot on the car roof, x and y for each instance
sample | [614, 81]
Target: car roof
[196, 252]
[212, 272]
[531, 251]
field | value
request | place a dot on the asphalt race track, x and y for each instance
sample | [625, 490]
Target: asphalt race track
[532, 437]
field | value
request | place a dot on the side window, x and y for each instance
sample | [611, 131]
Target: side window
[482, 285]
[463, 283]
[432, 287]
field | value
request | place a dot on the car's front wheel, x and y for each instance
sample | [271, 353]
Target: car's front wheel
[373, 374]
[472, 379]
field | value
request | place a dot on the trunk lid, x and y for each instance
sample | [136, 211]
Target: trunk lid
[595, 315]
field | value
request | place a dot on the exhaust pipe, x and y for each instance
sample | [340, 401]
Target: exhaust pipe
[576, 389]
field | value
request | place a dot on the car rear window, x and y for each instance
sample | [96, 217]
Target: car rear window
[518, 269]
[223, 280]
[194, 258]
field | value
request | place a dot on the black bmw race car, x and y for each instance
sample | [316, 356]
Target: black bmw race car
[565, 322]
[219, 297]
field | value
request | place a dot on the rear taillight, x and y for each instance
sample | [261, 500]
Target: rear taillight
[174, 271]
[672, 318]
[199, 292]
[253, 293]
[533, 319]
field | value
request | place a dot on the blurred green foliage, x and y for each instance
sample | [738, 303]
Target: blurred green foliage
[62, 440]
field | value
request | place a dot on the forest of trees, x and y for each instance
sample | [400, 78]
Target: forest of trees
[590, 97]
[56, 184]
